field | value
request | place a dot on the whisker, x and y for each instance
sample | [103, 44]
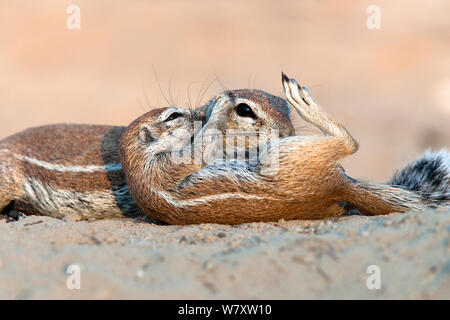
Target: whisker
[170, 91]
[220, 82]
[141, 105]
[189, 94]
[206, 89]
[159, 85]
[201, 88]
[145, 95]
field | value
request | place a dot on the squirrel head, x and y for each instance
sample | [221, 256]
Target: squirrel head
[237, 112]
[249, 118]
[248, 110]
[161, 130]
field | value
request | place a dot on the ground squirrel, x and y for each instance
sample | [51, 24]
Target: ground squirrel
[74, 171]
[307, 183]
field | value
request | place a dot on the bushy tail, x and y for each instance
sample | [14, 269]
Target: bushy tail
[428, 177]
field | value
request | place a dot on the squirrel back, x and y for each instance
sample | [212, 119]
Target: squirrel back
[65, 170]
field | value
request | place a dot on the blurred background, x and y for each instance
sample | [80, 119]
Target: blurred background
[390, 86]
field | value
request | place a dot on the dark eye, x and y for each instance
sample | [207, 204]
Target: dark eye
[244, 110]
[173, 116]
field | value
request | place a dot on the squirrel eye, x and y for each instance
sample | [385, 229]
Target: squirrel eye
[244, 110]
[173, 116]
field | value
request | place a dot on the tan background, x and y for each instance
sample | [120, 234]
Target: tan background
[390, 87]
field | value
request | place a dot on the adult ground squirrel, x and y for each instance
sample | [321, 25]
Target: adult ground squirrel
[308, 183]
[74, 171]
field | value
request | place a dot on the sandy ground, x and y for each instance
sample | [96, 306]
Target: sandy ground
[286, 260]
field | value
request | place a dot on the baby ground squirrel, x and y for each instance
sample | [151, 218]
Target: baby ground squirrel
[74, 171]
[307, 183]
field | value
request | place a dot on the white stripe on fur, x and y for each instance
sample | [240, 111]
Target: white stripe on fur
[63, 168]
[202, 200]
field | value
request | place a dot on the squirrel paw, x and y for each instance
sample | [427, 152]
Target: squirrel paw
[299, 97]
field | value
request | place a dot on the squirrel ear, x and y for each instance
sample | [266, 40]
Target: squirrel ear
[144, 135]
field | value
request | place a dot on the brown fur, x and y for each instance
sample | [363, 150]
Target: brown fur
[309, 182]
[29, 162]
[66, 145]
[39, 171]
[69, 145]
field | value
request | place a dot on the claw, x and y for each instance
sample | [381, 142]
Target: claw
[284, 77]
[296, 93]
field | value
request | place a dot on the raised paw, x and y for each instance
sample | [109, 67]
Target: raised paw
[299, 97]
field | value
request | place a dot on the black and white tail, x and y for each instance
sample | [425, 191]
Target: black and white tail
[428, 177]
